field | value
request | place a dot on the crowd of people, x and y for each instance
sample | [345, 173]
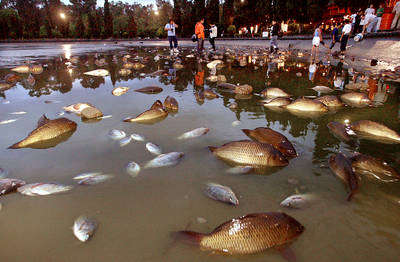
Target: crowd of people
[357, 24]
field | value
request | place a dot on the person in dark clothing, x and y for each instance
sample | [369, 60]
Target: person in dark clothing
[345, 36]
[356, 28]
[335, 36]
[274, 37]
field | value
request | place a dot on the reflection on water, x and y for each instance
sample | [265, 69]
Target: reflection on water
[136, 215]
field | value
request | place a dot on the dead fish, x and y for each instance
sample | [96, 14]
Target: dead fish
[125, 141]
[227, 86]
[36, 69]
[339, 131]
[8, 121]
[84, 228]
[12, 79]
[236, 123]
[330, 101]
[221, 193]
[276, 102]
[124, 72]
[4, 86]
[373, 167]
[273, 92]
[297, 201]
[116, 134]
[250, 153]
[171, 103]
[249, 234]
[243, 90]
[43, 189]
[157, 104]
[18, 113]
[302, 104]
[138, 137]
[194, 133]
[240, 170]
[341, 167]
[356, 99]
[8, 185]
[322, 89]
[148, 116]
[153, 148]
[209, 94]
[94, 179]
[86, 175]
[98, 72]
[214, 63]
[133, 169]
[77, 108]
[119, 91]
[163, 160]
[31, 80]
[376, 131]
[277, 140]
[22, 69]
[150, 90]
[47, 131]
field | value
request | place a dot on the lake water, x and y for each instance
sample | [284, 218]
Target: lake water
[136, 215]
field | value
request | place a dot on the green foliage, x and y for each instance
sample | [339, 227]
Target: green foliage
[231, 29]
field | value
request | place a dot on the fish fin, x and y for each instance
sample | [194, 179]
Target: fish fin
[212, 148]
[287, 253]
[42, 121]
[189, 237]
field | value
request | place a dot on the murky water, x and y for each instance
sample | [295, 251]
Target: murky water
[137, 215]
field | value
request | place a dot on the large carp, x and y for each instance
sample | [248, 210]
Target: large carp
[355, 99]
[303, 104]
[266, 135]
[48, 133]
[330, 101]
[373, 167]
[251, 153]
[375, 131]
[273, 92]
[249, 234]
[342, 168]
[154, 114]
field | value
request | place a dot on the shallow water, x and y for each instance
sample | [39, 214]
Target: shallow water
[136, 215]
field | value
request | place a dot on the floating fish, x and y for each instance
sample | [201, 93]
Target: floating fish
[330, 101]
[243, 90]
[43, 189]
[8, 185]
[163, 160]
[194, 133]
[272, 92]
[105, 117]
[171, 103]
[98, 72]
[133, 169]
[86, 175]
[116, 134]
[149, 116]
[48, 133]
[236, 123]
[276, 102]
[22, 69]
[297, 201]
[308, 105]
[157, 73]
[150, 90]
[339, 131]
[341, 167]
[375, 131]
[18, 113]
[138, 137]
[157, 105]
[12, 79]
[124, 72]
[8, 121]
[249, 234]
[322, 89]
[119, 91]
[77, 108]
[221, 193]
[240, 170]
[84, 228]
[227, 86]
[250, 153]
[356, 99]
[153, 148]
[94, 179]
[125, 141]
[214, 63]
[373, 167]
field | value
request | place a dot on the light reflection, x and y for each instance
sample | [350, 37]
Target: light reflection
[346, 121]
[70, 71]
[67, 50]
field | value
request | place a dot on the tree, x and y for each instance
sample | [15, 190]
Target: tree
[108, 20]
[212, 14]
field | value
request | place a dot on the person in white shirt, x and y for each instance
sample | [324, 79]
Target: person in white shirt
[369, 23]
[213, 35]
[370, 10]
[345, 36]
[171, 28]
[396, 9]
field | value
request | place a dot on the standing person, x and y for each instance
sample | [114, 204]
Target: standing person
[213, 35]
[335, 36]
[171, 28]
[396, 9]
[273, 44]
[356, 28]
[345, 36]
[370, 10]
[199, 31]
[379, 14]
[317, 39]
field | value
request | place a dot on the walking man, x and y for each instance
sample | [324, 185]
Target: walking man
[345, 36]
[171, 28]
[213, 35]
[199, 31]
[273, 44]
[335, 36]
[396, 9]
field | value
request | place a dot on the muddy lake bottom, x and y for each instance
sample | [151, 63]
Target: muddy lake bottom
[136, 215]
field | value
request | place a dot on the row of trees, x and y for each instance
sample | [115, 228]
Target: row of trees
[84, 19]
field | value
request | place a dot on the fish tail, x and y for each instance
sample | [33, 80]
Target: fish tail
[212, 148]
[188, 237]
[246, 131]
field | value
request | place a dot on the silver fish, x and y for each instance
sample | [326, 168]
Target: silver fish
[8, 121]
[42, 189]
[105, 117]
[98, 72]
[240, 170]
[194, 133]
[153, 148]
[138, 137]
[297, 201]
[221, 193]
[18, 113]
[133, 169]
[86, 175]
[236, 123]
[116, 134]
[125, 141]
[84, 228]
[162, 160]
[95, 179]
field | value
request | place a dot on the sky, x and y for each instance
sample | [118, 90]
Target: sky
[101, 2]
